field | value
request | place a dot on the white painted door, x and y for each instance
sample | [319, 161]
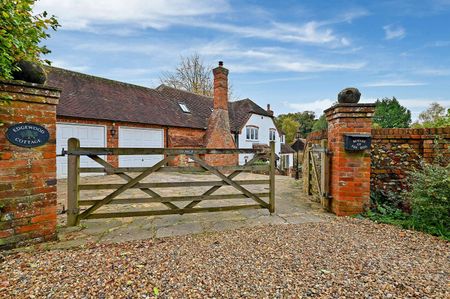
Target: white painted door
[140, 138]
[89, 136]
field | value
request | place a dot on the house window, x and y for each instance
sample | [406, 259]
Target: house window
[184, 108]
[272, 133]
[252, 133]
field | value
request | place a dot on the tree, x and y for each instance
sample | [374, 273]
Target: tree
[433, 117]
[320, 124]
[390, 114]
[192, 75]
[304, 122]
[21, 33]
[289, 127]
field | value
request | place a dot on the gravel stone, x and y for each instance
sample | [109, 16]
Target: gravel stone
[342, 258]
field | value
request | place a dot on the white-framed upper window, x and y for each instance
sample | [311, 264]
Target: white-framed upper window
[252, 133]
[184, 108]
[272, 133]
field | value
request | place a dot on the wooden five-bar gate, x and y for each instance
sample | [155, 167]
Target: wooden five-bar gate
[316, 171]
[173, 204]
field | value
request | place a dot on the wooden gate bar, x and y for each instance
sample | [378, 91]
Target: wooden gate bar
[99, 151]
[124, 187]
[170, 184]
[241, 168]
[171, 212]
[87, 202]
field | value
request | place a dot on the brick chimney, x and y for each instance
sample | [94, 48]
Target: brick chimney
[268, 110]
[220, 87]
[218, 133]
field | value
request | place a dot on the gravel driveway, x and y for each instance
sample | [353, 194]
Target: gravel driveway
[341, 258]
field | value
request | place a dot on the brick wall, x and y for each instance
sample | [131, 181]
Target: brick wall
[27, 175]
[185, 138]
[395, 152]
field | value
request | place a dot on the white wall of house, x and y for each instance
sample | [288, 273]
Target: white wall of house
[263, 124]
[288, 160]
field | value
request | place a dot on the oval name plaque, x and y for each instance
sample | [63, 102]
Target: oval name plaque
[27, 135]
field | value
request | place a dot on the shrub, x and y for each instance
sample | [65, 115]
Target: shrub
[430, 199]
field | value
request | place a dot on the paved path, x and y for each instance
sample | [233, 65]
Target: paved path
[292, 207]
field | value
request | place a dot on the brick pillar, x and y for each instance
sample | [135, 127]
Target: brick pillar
[350, 170]
[218, 133]
[27, 174]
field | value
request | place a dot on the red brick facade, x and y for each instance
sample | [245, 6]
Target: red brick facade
[350, 171]
[27, 175]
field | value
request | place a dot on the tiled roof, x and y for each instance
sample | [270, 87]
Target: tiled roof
[239, 111]
[286, 149]
[86, 96]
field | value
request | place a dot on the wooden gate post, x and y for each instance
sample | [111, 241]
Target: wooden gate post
[73, 180]
[307, 171]
[324, 174]
[272, 178]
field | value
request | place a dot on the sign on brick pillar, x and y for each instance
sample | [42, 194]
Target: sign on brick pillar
[27, 164]
[349, 129]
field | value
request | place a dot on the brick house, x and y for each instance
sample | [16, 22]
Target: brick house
[106, 113]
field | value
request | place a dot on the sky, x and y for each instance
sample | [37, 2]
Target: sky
[295, 55]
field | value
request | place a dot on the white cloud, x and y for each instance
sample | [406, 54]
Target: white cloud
[316, 106]
[434, 72]
[394, 83]
[70, 66]
[394, 32]
[158, 14]
[98, 16]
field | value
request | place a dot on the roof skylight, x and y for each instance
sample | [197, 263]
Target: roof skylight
[184, 107]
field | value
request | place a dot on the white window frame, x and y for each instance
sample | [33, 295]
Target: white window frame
[184, 108]
[252, 133]
[272, 133]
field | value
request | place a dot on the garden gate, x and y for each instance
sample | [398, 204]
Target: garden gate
[316, 171]
[74, 188]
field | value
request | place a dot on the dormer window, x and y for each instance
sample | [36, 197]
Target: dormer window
[252, 133]
[184, 108]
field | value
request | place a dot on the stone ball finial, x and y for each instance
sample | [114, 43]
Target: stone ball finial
[30, 72]
[349, 95]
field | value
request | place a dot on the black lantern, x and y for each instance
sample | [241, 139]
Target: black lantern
[113, 130]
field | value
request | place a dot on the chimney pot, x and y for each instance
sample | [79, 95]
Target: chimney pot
[268, 107]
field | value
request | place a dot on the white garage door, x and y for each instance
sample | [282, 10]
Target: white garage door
[140, 138]
[89, 136]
